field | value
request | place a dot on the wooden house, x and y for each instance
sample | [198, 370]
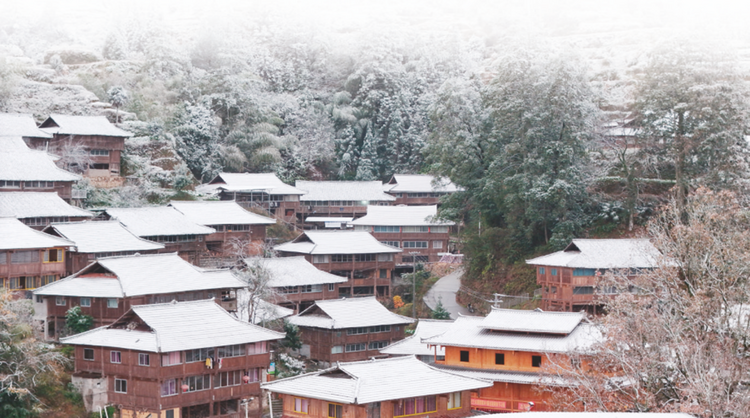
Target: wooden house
[570, 278]
[296, 283]
[29, 258]
[412, 228]
[357, 255]
[95, 240]
[110, 286]
[103, 141]
[387, 388]
[237, 230]
[418, 189]
[413, 345]
[348, 329]
[180, 359]
[259, 190]
[39, 209]
[167, 226]
[533, 414]
[510, 347]
[26, 170]
[344, 199]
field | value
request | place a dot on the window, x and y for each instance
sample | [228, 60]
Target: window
[312, 288]
[386, 229]
[201, 354]
[541, 270]
[229, 407]
[232, 351]
[536, 361]
[392, 244]
[377, 345]
[413, 406]
[112, 303]
[3, 257]
[553, 272]
[197, 383]
[60, 300]
[337, 349]
[464, 356]
[356, 331]
[169, 413]
[500, 358]
[385, 257]
[553, 289]
[383, 274]
[48, 279]
[257, 348]
[300, 405]
[24, 257]
[318, 259]
[85, 302]
[364, 257]
[169, 387]
[10, 183]
[286, 290]
[144, 359]
[170, 359]
[341, 258]
[335, 410]
[415, 244]
[88, 354]
[584, 272]
[439, 229]
[121, 386]
[454, 400]
[415, 229]
[583, 290]
[437, 244]
[380, 328]
[53, 256]
[102, 152]
[331, 287]
[351, 348]
[115, 357]
[224, 379]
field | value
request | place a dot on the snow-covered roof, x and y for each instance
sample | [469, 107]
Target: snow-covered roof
[38, 205]
[505, 376]
[14, 235]
[596, 415]
[294, 271]
[536, 321]
[175, 326]
[336, 242]
[150, 274]
[400, 216]
[14, 144]
[252, 182]
[101, 237]
[220, 213]
[467, 331]
[157, 221]
[418, 183]
[347, 313]
[81, 125]
[363, 382]
[362, 191]
[603, 254]
[18, 124]
[413, 344]
[19, 163]
[266, 312]
[327, 219]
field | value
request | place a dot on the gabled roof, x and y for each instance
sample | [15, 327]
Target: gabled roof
[413, 344]
[157, 221]
[249, 182]
[603, 254]
[266, 312]
[294, 271]
[536, 321]
[174, 326]
[336, 242]
[467, 331]
[14, 144]
[81, 125]
[418, 183]
[225, 212]
[38, 205]
[343, 190]
[400, 216]
[347, 313]
[14, 235]
[18, 124]
[150, 274]
[369, 381]
[101, 237]
[19, 163]
[506, 376]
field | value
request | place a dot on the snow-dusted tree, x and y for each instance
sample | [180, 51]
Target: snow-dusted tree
[257, 279]
[197, 136]
[74, 156]
[118, 96]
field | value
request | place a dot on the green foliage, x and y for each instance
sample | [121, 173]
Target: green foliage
[77, 321]
[440, 312]
[292, 340]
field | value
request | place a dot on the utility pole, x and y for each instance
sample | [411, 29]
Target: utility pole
[414, 283]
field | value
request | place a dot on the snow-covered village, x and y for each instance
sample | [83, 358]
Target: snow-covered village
[374, 209]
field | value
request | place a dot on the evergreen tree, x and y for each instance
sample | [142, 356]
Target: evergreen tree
[440, 312]
[77, 321]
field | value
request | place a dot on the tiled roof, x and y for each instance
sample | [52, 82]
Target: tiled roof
[247, 182]
[400, 216]
[23, 164]
[336, 242]
[220, 213]
[81, 125]
[418, 183]
[15, 235]
[157, 221]
[603, 254]
[343, 190]
[38, 205]
[177, 326]
[413, 344]
[347, 313]
[88, 287]
[102, 237]
[294, 271]
[467, 331]
[369, 381]
[149, 274]
[17, 124]
[537, 321]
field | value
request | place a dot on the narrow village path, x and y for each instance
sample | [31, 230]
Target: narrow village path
[444, 291]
